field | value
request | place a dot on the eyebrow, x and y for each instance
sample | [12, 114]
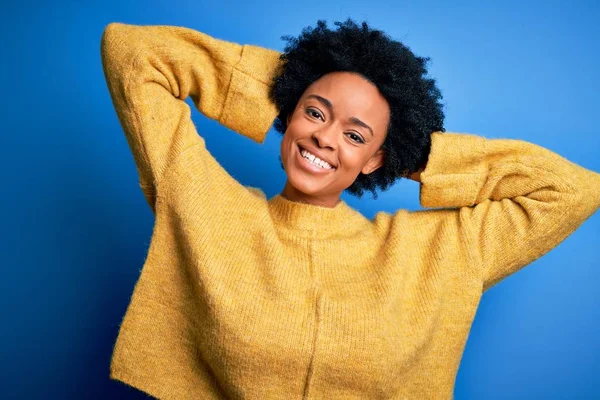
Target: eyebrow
[328, 104]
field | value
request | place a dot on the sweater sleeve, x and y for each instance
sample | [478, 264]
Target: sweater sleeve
[515, 200]
[151, 70]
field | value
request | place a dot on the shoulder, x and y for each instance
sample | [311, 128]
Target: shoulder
[256, 192]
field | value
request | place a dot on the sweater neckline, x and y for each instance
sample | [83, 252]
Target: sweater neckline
[313, 219]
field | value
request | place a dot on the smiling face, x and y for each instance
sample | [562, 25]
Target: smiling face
[341, 119]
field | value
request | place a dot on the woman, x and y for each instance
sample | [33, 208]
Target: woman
[300, 296]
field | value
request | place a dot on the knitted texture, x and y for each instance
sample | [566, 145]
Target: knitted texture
[241, 296]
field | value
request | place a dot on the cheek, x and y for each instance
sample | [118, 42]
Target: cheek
[282, 152]
[290, 137]
[350, 158]
[286, 144]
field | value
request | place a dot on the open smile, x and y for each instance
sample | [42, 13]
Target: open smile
[309, 165]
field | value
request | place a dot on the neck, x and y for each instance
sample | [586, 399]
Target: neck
[293, 194]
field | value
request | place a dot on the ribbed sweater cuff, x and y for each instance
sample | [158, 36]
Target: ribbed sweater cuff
[248, 109]
[455, 172]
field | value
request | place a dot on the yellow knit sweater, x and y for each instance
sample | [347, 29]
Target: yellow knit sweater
[247, 297]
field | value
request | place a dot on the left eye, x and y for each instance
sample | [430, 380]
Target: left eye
[355, 137]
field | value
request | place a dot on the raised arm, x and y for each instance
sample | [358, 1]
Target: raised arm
[151, 70]
[514, 200]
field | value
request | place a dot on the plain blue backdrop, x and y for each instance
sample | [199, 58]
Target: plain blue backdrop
[76, 226]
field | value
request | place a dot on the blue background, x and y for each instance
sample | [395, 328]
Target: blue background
[76, 226]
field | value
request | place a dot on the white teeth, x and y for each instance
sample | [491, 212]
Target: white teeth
[315, 160]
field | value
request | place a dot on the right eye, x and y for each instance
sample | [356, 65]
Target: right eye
[314, 113]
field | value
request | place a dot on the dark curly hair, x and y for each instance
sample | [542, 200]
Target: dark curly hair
[399, 75]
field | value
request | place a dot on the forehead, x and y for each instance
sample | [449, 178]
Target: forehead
[351, 96]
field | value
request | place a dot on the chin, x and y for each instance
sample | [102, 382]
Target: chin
[304, 185]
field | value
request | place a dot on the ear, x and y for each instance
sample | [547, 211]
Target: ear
[375, 162]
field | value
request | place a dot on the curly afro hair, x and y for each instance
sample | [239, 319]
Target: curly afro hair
[400, 76]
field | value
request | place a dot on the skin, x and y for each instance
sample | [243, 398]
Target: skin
[333, 131]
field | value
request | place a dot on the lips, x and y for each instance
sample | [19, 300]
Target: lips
[317, 154]
[307, 165]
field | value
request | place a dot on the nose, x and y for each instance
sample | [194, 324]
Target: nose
[327, 136]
